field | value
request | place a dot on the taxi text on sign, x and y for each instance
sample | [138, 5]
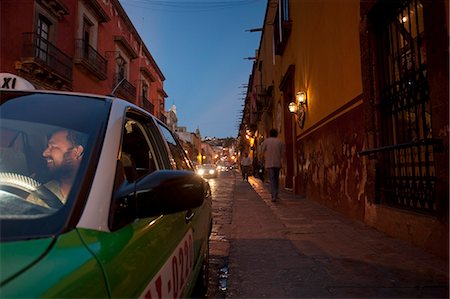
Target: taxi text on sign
[13, 82]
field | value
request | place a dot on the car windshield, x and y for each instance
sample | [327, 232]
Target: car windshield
[48, 144]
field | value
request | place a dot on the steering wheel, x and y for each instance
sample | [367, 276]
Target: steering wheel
[18, 183]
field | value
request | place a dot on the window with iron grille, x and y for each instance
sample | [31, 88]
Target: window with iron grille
[121, 66]
[407, 175]
[144, 92]
[87, 29]
[42, 37]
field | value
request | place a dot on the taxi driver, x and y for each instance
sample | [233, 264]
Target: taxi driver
[63, 156]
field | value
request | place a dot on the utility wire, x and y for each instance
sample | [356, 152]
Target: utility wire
[180, 6]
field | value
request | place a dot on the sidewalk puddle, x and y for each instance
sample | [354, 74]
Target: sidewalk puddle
[223, 278]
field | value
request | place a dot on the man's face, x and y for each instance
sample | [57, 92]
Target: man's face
[60, 154]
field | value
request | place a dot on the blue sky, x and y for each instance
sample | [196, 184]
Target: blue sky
[200, 47]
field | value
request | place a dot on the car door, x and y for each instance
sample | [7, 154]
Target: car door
[150, 257]
[200, 218]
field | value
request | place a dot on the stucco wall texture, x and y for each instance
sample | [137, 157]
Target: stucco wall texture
[330, 170]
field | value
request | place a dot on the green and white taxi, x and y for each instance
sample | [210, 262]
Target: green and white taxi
[97, 199]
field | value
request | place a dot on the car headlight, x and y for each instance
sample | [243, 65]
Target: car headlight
[201, 171]
[211, 171]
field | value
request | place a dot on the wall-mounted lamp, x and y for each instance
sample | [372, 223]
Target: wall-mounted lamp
[301, 98]
[292, 107]
[298, 108]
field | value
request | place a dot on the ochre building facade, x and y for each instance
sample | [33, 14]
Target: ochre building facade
[367, 84]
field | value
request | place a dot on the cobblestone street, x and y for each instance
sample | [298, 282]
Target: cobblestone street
[297, 248]
[219, 245]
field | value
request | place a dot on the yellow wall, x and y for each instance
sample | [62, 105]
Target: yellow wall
[324, 46]
[269, 74]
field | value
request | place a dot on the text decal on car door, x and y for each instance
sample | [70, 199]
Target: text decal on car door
[173, 276]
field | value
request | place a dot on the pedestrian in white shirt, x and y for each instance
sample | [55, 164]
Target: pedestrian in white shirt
[273, 150]
[246, 165]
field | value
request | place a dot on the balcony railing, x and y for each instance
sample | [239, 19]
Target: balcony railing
[90, 59]
[148, 105]
[47, 55]
[124, 88]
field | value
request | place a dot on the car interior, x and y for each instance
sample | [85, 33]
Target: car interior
[136, 157]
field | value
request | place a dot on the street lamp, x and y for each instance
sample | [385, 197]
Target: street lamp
[293, 108]
[297, 108]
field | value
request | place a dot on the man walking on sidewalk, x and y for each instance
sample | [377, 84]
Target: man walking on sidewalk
[273, 150]
[246, 165]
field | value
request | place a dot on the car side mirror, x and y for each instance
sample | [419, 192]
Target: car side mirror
[161, 192]
[168, 191]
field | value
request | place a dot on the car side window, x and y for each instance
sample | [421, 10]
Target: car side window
[178, 157]
[137, 155]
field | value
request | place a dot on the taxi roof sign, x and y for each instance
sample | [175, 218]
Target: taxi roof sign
[10, 81]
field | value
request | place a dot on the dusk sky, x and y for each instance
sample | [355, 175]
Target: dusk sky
[200, 47]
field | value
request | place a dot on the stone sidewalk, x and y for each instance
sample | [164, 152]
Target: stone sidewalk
[297, 248]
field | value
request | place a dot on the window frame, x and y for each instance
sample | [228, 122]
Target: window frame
[43, 31]
[121, 67]
[407, 176]
[282, 26]
[182, 157]
[144, 124]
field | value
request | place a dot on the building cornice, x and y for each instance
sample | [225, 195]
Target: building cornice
[55, 7]
[122, 41]
[96, 8]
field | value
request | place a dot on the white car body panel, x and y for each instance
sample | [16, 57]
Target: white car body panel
[96, 211]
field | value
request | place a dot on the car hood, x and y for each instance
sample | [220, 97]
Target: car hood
[19, 255]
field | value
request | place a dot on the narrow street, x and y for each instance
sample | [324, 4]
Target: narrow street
[297, 248]
[219, 246]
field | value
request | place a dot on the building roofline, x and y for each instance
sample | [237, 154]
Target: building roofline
[127, 20]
